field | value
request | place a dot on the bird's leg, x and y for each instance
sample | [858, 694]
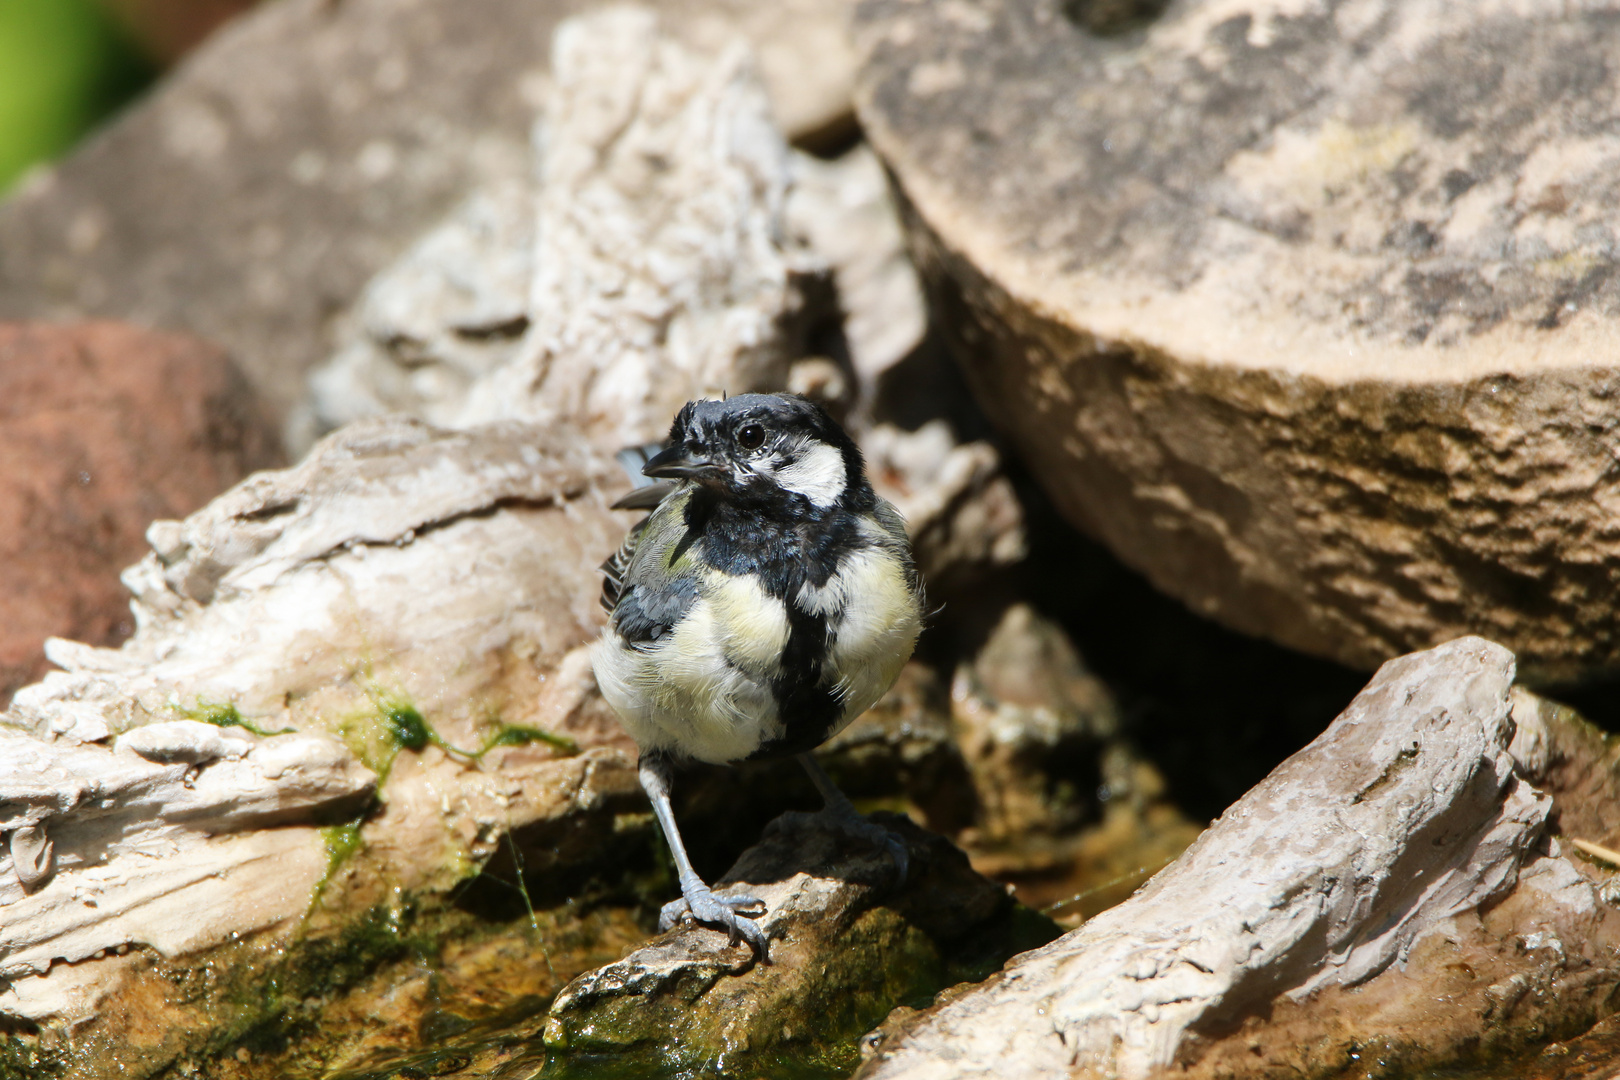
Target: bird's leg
[696, 899]
[847, 819]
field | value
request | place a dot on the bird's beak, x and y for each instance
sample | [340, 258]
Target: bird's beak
[677, 463]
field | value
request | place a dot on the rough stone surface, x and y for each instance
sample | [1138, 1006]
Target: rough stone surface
[1303, 309]
[103, 428]
[847, 944]
[1485, 990]
[642, 262]
[1404, 815]
[845, 213]
[964, 519]
[1033, 726]
[638, 288]
[661, 269]
[308, 144]
[398, 599]
[172, 840]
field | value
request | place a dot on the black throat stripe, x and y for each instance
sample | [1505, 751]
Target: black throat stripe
[786, 552]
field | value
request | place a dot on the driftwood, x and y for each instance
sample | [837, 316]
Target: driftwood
[1407, 812]
[391, 575]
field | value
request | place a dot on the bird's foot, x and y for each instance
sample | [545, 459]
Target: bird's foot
[701, 905]
[849, 821]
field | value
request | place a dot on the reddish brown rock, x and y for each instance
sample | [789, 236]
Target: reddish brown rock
[104, 427]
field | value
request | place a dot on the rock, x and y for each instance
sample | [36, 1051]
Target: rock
[846, 947]
[963, 516]
[105, 427]
[1065, 807]
[596, 286]
[406, 610]
[1401, 833]
[629, 298]
[1033, 726]
[448, 312]
[1298, 309]
[234, 831]
[660, 271]
[190, 741]
[307, 145]
[843, 211]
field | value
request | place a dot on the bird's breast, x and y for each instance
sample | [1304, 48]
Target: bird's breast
[872, 619]
[748, 624]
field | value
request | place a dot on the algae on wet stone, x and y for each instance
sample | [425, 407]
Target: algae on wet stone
[849, 944]
[394, 723]
[226, 714]
[22, 1059]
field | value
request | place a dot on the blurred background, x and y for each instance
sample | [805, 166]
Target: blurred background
[67, 65]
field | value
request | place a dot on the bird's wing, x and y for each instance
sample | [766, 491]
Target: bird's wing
[613, 569]
[622, 570]
[645, 497]
[896, 539]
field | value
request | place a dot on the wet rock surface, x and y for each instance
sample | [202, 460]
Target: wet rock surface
[848, 943]
[104, 427]
[1298, 309]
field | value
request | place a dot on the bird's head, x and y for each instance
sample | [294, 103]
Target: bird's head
[765, 449]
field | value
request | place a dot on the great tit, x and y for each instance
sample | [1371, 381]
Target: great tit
[769, 599]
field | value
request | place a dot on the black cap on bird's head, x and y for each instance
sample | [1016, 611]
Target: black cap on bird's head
[765, 448]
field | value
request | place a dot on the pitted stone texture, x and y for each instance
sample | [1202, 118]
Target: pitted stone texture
[1304, 309]
[305, 146]
[1405, 813]
[662, 270]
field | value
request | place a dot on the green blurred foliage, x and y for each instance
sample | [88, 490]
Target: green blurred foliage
[64, 65]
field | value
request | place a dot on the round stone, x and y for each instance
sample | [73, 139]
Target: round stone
[1307, 308]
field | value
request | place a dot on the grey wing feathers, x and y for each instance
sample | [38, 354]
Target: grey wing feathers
[644, 602]
[894, 526]
[645, 497]
[613, 569]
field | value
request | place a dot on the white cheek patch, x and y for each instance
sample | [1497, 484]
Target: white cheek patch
[818, 474]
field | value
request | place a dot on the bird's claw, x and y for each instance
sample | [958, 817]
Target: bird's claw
[702, 905]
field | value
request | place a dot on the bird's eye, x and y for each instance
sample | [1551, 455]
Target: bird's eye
[751, 437]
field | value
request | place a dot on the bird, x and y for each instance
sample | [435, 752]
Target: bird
[768, 599]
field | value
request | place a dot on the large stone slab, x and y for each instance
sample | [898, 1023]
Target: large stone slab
[1307, 310]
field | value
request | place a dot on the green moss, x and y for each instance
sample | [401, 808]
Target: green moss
[23, 1059]
[395, 724]
[406, 726]
[519, 735]
[341, 842]
[227, 715]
